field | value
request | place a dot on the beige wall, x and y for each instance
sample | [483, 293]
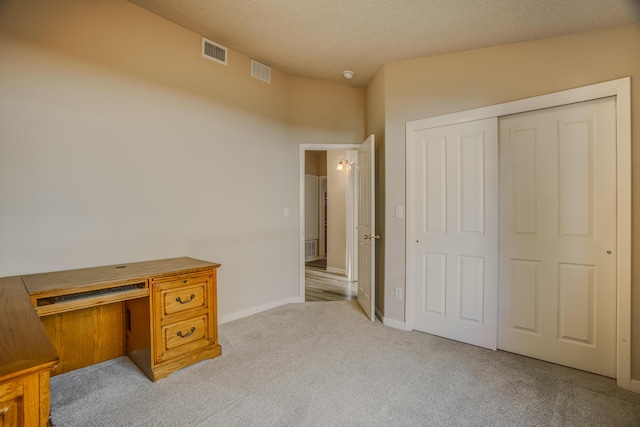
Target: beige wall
[322, 163]
[336, 213]
[311, 163]
[119, 142]
[315, 163]
[322, 112]
[438, 85]
[119, 36]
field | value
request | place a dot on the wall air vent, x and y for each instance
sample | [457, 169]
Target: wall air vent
[260, 71]
[310, 249]
[214, 51]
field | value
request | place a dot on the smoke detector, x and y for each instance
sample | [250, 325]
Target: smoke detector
[348, 74]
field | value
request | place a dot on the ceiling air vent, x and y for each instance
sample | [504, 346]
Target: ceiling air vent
[260, 71]
[214, 51]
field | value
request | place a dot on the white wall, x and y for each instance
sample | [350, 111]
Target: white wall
[120, 143]
[99, 168]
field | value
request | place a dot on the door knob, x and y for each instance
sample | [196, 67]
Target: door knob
[374, 237]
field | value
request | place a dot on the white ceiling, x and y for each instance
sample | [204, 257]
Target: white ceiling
[320, 39]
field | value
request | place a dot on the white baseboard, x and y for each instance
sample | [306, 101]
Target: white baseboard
[340, 271]
[396, 324]
[255, 310]
[635, 386]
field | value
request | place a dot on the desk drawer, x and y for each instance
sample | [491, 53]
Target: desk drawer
[11, 397]
[183, 297]
[184, 320]
[181, 338]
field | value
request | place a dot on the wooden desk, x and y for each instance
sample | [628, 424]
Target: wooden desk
[162, 314]
[26, 358]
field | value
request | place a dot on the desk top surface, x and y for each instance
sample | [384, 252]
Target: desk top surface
[25, 345]
[55, 282]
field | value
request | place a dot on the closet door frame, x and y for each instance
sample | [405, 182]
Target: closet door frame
[621, 89]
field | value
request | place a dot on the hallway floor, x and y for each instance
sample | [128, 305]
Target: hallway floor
[322, 286]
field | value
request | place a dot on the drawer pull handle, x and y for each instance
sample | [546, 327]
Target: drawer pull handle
[185, 302]
[193, 329]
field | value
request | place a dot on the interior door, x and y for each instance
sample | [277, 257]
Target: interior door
[366, 226]
[558, 261]
[454, 223]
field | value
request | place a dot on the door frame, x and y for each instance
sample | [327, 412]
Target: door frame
[301, 167]
[621, 89]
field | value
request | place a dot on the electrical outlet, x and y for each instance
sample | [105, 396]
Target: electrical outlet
[398, 293]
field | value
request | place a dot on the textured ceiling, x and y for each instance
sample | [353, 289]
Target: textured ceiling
[320, 39]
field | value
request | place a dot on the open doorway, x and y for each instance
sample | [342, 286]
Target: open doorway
[363, 236]
[328, 250]
[328, 247]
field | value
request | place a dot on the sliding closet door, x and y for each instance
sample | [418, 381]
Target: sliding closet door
[454, 223]
[558, 235]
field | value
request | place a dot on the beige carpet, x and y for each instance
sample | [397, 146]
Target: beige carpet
[324, 364]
